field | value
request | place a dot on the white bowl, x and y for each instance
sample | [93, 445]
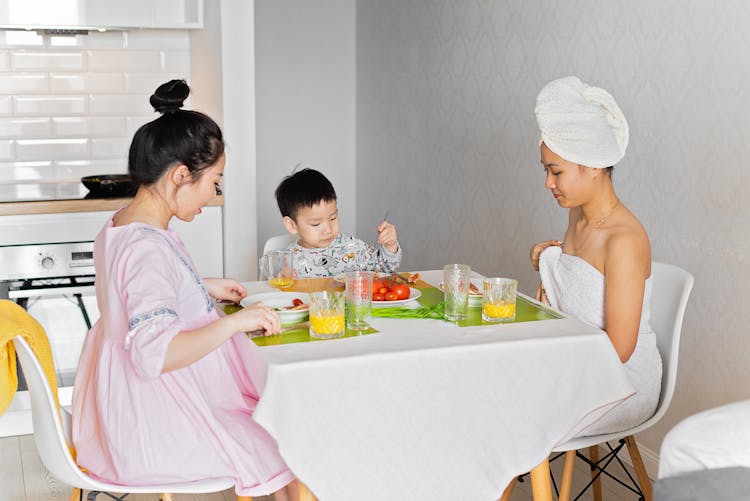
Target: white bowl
[280, 300]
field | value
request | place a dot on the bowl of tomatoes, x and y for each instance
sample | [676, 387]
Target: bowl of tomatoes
[387, 291]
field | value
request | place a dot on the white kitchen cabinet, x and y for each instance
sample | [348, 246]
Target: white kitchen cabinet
[114, 14]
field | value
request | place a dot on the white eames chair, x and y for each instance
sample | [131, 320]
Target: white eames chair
[52, 437]
[279, 242]
[669, 296]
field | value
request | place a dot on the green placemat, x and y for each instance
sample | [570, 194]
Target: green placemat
[431, 307]
[301, 335]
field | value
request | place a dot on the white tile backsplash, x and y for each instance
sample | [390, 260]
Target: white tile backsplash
[134, 123]
[17, 83]
[175, 61]
[39, 149]
[5, 105]
[122, 104]
[146, 83]
[69, 105]
[50, 105]
[109, 147]
[13, 172]
[40, 60]
[6, 149]
[76, 169]
[88, 126]
[159, 39]
[137, 60]
[86, 83]
[25, 127]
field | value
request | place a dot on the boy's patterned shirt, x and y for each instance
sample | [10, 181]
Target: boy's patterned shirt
[346, 253]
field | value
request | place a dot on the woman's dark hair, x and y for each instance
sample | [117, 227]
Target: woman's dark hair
[304, 188]
[177, 137]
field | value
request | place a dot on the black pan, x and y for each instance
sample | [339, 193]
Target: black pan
[110, 185]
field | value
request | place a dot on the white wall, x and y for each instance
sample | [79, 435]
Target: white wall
[305, 95]
[446, 138]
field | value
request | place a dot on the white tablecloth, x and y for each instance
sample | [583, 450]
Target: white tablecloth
[428, 410]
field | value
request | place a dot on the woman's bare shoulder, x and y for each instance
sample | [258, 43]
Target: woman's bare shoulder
[628, 242]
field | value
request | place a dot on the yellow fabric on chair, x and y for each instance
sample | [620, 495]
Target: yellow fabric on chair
[15, 321]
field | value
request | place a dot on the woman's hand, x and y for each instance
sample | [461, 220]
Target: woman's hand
[537, 249]
[541, 295]
[387, 237]
[225, 289]
[257, 316]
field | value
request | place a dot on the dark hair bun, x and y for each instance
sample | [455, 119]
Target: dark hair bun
[170, 96]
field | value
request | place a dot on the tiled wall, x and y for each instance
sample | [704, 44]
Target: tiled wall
[69, 105]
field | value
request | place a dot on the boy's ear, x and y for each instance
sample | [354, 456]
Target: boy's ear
[290, 225]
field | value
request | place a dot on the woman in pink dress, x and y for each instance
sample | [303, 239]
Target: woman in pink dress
[164, 391]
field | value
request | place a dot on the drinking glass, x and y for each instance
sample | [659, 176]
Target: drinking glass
[499, 299]
[358, 298]
[456, 280]
[277, 267]
[326, 314]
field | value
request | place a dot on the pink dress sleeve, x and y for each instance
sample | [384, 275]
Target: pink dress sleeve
[150, 283]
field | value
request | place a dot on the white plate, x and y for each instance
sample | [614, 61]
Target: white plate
[280, 300]
[413, 294]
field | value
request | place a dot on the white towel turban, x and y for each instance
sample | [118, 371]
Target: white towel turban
[581, 123]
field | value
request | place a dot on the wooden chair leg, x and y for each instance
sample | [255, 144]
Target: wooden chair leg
[541, 485]
[76, 494]
[596, 487]
[244, 498]
[640, 469]
[566, 483]
[509, 489]
[305, 494]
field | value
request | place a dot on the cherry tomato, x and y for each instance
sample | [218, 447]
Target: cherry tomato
[383, 290]
[402, 291]
[391, 296]
[297, 302]
[378, 297]
[378, 284]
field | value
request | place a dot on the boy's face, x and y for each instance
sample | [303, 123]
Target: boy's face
[317, 226]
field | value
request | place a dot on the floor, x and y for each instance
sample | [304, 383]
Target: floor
[24, 478]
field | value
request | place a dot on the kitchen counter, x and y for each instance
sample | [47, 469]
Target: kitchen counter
[56, 198]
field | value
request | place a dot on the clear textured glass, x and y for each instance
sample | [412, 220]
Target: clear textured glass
[278, 268]
[358, 298]
[457, 281]
[327, 314]
[499, 299]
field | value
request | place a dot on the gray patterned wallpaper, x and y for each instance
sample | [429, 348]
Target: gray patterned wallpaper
[447, 141]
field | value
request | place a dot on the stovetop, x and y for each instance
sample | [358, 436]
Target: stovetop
[42, 192]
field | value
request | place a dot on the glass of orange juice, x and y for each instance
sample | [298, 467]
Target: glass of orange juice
[499, 299]
[327, 318]
[278, 267]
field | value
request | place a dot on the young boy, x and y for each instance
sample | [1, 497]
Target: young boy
[307, 202]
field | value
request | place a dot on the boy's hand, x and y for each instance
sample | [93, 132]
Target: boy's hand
[387, 237]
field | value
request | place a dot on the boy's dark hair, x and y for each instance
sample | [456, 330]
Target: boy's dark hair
[304, 188]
